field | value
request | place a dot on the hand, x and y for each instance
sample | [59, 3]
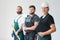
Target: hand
[16, 33]
[25, 28]
[24, 33]
[42, 34]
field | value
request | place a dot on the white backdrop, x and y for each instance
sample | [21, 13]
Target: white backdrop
[8, 11]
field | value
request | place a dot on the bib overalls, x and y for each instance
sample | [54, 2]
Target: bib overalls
[16, 26]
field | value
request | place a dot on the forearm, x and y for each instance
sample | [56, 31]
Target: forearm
[20, 29]
[31, 28]
[49, 31]
[53, 29]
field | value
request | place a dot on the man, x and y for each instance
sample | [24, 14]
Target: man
[31, 23]
[18, 22]
[46, 24]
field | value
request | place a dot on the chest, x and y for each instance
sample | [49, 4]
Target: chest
[18, 19]
[44, 21]
[29, 19]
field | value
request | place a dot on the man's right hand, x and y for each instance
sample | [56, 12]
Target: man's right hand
[16, 33]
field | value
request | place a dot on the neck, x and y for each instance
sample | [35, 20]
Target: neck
[45, 14]
[32, 13]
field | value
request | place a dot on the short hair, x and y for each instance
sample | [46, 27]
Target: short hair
[20, 6]
[32, 6]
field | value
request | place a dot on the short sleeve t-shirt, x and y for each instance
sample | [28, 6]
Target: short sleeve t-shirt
[20, 19]
[29, 21]
[44, 23]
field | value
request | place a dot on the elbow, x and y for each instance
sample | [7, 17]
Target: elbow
[54, 30]
[33, 28]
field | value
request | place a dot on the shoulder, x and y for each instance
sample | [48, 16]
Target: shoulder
[24, 15]
[27, 16]
[50, 16]
[36, 16]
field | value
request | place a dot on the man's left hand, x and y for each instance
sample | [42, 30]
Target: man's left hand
[25, 28]
[42, 34]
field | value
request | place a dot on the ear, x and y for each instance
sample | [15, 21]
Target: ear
[48, 8]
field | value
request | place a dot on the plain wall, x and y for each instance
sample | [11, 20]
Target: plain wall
[8, 12]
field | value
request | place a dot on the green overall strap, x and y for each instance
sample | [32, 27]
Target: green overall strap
[19, 18]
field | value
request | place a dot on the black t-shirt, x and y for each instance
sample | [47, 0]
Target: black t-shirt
[29, 21]
[44, 23]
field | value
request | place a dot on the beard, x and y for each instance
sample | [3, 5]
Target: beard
[19, 12]
[32, 13]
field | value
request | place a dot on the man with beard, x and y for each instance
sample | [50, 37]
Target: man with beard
[18, 22]
[31, 22]
[46, 24]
